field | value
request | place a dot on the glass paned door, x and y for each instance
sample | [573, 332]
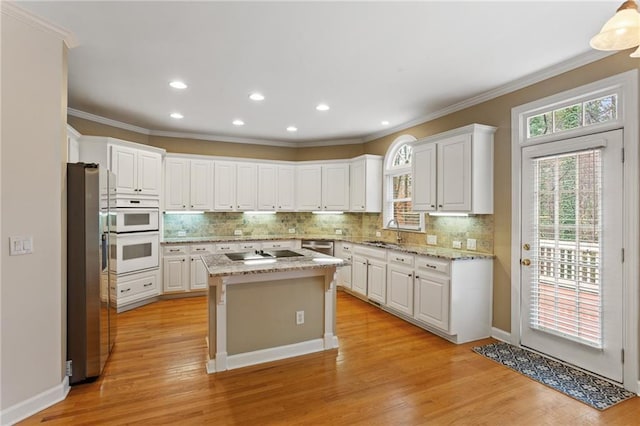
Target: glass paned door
[572, 251]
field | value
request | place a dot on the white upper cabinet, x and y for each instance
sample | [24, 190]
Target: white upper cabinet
[188, 184]
[267, 186]
[365, 184]
[176, 184]
[335, 187]
[424, 177]
[138, 172]
[286, 180]
[235, 186]
[309, 187]
[453, 171]
[224, 180]
[246, 186]
[322, 187]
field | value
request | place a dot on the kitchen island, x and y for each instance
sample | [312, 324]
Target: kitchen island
[265, 306]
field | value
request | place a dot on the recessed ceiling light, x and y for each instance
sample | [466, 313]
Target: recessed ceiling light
[176, 115]
[255, 96]
[238, 123]
[292, 129]
[322, 107]
[176, 84]
[384, 122]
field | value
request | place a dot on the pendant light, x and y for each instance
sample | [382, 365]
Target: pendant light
[620, 32]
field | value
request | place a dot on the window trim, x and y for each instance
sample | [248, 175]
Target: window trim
[389, 172]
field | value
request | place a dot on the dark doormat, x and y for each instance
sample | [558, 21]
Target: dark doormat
[592, 390]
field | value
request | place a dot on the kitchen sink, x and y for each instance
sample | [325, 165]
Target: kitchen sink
[261, 254]
[382, 244]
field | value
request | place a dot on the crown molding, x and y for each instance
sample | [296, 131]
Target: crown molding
[217, 138]
[109, 122]
[12, 9]
[521, 83]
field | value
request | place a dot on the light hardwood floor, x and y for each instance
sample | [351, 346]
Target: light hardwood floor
[386, 372]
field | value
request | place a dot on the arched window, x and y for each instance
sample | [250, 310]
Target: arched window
[398, 188]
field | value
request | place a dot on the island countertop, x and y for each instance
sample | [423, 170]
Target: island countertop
[220, 265]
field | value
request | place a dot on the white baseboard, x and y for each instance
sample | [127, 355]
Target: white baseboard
[271, 354]
[29, 407]
[501, 335]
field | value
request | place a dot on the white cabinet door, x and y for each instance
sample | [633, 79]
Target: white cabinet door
[149, 172]
[359, 275]
[424, 168]
[224, 194]
[176, 184]
[124, 163]
[246, 186]
[400, 289]
[267, 186]
[432, 300]
[309, 188]
[357, 179]
[286, 188]
[377, 281]
[335, 187]
[454, 174]
[199, 277]
[175, 273]
[201, 188]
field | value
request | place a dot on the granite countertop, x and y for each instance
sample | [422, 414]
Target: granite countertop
[220, 265]
[440, 252]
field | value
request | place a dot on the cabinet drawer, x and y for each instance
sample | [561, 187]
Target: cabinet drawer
[137, 287]
[172, 250]
[226, 247]
[371, 252]
[400, 258]
[287, 244]
[249, 245]
[202, 249]
[432, 264]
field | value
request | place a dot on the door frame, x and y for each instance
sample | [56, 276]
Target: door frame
[626, 86]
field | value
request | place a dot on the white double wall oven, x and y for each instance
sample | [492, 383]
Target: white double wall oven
[135, 237]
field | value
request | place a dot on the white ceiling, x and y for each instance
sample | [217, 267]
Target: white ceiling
[370, 61]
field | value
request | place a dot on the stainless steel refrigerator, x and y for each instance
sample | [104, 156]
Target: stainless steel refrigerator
[91, 314]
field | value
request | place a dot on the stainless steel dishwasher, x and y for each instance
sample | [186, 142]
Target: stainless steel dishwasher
[323, 246]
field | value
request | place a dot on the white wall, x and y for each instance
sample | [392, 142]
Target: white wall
[32, 156]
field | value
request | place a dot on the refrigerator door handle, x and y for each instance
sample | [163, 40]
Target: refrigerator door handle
[105, 252]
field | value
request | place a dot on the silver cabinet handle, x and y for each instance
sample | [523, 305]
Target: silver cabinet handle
[124, 290]
[173, 250]
[148, 285]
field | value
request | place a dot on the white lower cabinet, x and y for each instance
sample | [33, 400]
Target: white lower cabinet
[432, 300]
[136, 287]
[344, 251]
[183, 269]
[400, 282]
[377, 280]
[359, 275]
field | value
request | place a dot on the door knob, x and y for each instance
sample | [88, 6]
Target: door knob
[525, 262]
[526, 246]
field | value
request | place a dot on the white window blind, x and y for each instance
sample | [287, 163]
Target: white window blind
[567, 251]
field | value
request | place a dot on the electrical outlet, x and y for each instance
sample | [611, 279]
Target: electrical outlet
[292, 230]
[182, 233]
[471, 244]
[237, 232]
[338, 231]
[457, 244]
[378, 234]
[299, 317]
[432, 240]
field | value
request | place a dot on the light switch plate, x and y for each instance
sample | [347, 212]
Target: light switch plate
[20, 245]
[182, 233]
[457, 244]
[378, 234]
[471, 244]
[292, 230]
[338, 231]
[237, 232]
[432, 239]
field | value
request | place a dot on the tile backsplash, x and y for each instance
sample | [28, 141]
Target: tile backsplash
[446, 229]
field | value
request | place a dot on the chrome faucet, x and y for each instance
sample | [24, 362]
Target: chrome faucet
[398, 237]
